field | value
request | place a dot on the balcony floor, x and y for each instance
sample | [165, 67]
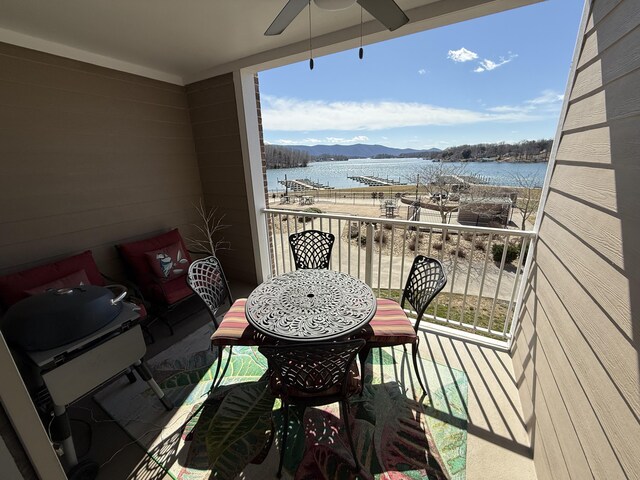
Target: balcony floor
[497, 444]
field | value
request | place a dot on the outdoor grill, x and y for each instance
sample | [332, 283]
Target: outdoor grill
[71, 342]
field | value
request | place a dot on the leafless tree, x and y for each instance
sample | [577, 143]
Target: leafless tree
[443, 182]
[529, 190]
[208, 238]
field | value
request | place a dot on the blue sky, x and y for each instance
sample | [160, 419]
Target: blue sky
[492, 79]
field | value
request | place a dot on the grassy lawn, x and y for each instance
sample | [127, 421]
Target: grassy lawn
[456, 313]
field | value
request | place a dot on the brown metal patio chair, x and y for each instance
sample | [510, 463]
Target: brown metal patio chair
[206, 278]
[390, 326]
[313, 374]
[311, 249]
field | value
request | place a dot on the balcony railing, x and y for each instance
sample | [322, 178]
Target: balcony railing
[481, 295]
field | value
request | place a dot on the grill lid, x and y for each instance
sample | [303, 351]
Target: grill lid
[59, 317]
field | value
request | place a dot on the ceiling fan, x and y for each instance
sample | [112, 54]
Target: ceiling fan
[386, 12]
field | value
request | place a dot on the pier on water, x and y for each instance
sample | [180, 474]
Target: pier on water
[375, 181]
[303, 184]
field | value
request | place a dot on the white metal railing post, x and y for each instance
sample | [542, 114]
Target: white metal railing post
[368, 259]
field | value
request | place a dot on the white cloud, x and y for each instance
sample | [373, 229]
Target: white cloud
[505, 109]
[304, 141]
[487, 65]
[343, 141]
[548, 103]
[422, 71]
[547, 97]
[322, 141]
[288, 114]
[462, 55]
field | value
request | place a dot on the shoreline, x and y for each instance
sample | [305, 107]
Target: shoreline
[385, 189]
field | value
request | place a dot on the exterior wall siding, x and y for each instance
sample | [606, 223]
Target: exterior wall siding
[216, 132]
[90, 157]
[576, 348]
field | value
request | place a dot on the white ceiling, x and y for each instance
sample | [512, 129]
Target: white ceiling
[182, 41]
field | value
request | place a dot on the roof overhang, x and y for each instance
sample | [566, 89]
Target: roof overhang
[182, 42]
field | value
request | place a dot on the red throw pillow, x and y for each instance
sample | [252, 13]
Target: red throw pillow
[74, 279]
[168, 262]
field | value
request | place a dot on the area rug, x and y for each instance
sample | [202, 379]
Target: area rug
[399, 433]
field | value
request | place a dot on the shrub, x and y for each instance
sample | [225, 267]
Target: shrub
[363, 240]
[413, 242]
[310, 210]
[497, 250]
[380, 237]
[437, 246]
[468, 236]
[354, 230]
[387, 226]
[461, 253]
[479, 245]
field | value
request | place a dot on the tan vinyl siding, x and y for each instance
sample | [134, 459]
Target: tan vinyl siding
[576, 349]
[90, 157]
[216, 133]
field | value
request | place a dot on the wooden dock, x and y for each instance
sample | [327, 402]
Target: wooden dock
[303, 184]
[375, 181]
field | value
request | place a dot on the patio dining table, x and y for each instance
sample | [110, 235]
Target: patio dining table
[310, 305]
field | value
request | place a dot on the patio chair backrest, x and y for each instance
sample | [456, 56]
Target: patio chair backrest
[307, 369]
[426, 279]
[206, 278]
[311, 249]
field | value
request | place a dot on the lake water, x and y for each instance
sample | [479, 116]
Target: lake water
[335, 174]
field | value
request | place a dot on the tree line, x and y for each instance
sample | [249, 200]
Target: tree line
[283, 157]
[278, 156]
[524, 151]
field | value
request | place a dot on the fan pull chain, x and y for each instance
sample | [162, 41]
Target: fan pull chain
[310, 47]
[361, 51]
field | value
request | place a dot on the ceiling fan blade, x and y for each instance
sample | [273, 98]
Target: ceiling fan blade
[286, 16]
[387, 12]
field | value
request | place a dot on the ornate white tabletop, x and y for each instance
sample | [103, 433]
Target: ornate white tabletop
[310, 305]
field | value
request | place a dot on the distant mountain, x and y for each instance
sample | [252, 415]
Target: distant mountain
[358, 150]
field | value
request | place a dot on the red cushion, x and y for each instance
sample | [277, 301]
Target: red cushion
[13, 287]
[389, 326]
[134, 254]
[169, 262]
[169, 291]
[74, 279]
[235, 329]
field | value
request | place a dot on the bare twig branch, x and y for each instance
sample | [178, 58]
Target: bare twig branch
[208, 237]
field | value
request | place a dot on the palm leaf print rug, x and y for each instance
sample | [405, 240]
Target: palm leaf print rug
[398, 432]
